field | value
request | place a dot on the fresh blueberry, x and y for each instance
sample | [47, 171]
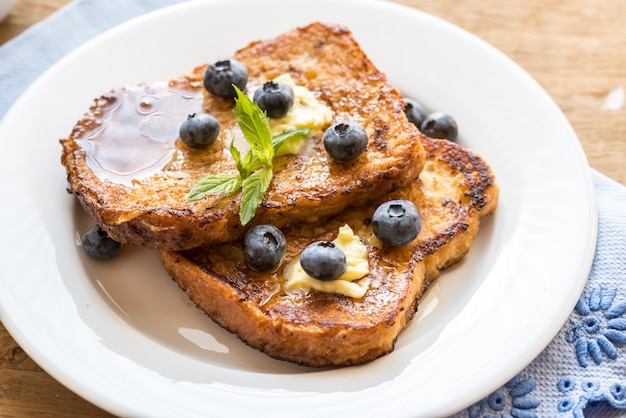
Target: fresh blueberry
[275, 98]
[415, 112]
[264, 247]
[220, 77]
[199, 130]
[98, 244]
[323, 260]
[397, 222]
[345, 141]
[439, 125]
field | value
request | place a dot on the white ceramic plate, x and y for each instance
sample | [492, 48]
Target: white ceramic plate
[123, 336]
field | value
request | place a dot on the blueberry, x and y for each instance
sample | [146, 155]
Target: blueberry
[345, 141]
[397, 222]
[98, 244]
[323, 260]
[199, 130]
[275, 98]
[264, 247]
[415, 112]
[220, 77]
[439, 125]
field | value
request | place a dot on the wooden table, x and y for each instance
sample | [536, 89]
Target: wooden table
[573, 48]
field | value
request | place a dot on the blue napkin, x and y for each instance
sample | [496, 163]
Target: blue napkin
[581, 373]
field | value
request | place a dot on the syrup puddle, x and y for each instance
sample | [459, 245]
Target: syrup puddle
[136, 131]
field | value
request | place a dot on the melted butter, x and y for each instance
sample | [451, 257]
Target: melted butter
[306, 112]
[354, 282]
[136, 129]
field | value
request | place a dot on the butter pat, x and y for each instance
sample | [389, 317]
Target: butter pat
[306, 112]
[353, 282]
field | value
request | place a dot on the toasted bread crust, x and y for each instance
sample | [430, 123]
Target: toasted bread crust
[456, 189]
[145, 204]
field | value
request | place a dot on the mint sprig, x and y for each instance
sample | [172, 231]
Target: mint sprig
[255, 169]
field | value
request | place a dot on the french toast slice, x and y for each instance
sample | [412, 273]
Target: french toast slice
[131, 172]
[455, 190]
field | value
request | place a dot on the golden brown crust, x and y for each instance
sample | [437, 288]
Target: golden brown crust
[316, 329]
[152, 211]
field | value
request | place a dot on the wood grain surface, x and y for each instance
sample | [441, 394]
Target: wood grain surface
[573, 48]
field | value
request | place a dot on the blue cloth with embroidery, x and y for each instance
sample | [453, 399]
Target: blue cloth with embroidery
[581, 373]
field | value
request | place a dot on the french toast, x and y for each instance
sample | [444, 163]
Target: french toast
[131, 172]
[454, 191]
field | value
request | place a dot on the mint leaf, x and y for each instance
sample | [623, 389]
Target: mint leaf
[255, 168]
[214, 184]
[253, 189]
[288, 142]
[255, 127]
[254, 163]
[242, 167]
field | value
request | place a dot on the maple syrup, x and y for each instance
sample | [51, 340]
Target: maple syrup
[135, 129]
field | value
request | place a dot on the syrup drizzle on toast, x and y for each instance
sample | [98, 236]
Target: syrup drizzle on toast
[144, 122]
